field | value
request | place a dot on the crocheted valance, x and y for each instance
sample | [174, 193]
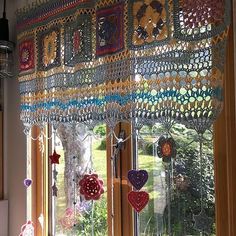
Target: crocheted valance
[112, 60]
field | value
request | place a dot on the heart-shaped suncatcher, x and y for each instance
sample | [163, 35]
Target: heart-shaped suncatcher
[27, 182]
[138, 178]
[138, 200]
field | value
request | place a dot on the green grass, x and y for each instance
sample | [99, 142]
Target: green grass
[99, 160]
[149, 163]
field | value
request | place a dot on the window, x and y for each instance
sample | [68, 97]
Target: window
[154, 219]
[224, 163]
[175, 187]
[81, 153]
[168, 212]
[71, 213]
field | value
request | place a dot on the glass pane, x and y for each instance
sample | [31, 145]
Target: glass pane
[81, 153]
[175, 188]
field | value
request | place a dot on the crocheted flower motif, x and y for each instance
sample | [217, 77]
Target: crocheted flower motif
[50, 48]
[27, 229]
[166, 148]
[91, 187]
[68, 220]
[26, 55]
[202, 12]
[149, 21]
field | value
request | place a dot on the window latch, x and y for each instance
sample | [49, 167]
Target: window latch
[118, 146]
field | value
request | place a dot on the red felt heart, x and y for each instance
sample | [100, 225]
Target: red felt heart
[138, 200]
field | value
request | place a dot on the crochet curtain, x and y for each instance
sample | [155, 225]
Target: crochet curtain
[105, 61]
[87, 61]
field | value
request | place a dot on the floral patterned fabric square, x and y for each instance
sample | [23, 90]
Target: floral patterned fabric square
[195, 20]
[26, 55]
[110, 30]
[78, 41]
[148, 22]
[49, 46]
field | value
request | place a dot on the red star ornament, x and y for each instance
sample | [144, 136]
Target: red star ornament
[54, 158]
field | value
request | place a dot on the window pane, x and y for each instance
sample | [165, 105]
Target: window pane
[175, 188]
[81, 153]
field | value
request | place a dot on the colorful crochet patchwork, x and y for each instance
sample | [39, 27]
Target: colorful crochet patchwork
[110, 60]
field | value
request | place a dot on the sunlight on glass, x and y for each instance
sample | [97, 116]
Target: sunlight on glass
[73, 214]
[174, 188]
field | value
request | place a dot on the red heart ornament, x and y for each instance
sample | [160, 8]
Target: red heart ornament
[138, 200]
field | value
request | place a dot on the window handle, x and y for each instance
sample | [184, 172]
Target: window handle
[118, 146]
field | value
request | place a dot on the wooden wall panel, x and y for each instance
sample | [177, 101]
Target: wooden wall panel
[114, 229]
[1, 157]
[224, 149]
[123, 218]
[231, 132]
[40, 189]
[126, 165]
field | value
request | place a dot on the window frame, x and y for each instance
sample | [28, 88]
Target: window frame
[40, 187]
[224, 142]
[122, 210]
[1, 158]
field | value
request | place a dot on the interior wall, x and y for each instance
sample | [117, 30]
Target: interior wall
[14, 142]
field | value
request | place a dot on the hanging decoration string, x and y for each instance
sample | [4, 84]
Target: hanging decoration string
[203, 223]
[74, 180]
[91, 171]
[112, 183]
[135, 167]
[201, 168]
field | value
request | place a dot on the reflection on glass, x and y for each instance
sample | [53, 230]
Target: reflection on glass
[81, 153]
[175, 188]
